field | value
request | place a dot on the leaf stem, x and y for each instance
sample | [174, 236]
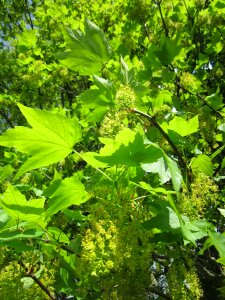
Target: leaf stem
[94, 167]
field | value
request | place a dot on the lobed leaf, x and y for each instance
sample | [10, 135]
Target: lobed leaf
[69, 192]
[50, 139]
[88, 50]
[18, 208]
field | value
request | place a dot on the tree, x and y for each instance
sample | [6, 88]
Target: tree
[112, 149]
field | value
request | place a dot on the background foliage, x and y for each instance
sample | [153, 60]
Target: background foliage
[112, 149]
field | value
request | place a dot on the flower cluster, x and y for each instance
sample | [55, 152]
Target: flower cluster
[125, 98]
[183, 281]
[119, 118]
[113, 122]
[116, 245]
[203, 196]
[189, 82]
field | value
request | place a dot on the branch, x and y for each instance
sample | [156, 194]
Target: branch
[29, 19]
[145, 26]
[208, 272]
[182, 162]
[67, 248]
[4, 115]
[14, 22]
[29, 273]
[158, 3]
[160, 256]
[207, 104]
[62, 246]
[203, 100]
[188, 13]
[158, 292]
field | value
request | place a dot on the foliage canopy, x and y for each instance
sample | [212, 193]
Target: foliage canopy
[112, 149]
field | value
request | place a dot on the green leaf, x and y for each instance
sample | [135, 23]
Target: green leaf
[152, 190]
[127, 75]
[172, 167]
[50, 139]
[16, 234]
[66, 278]
[5, 172]
[161, 98]
[187, 234]
[58, 235]
[222, 211]
[126, 149]
[159, 168]
[169, 49]
[74, 214]
[97, 114]
[199, 228]
[9, 157]
[222, 127]
[185, 231]
[203, 164]
[69, 192]
[166, 237]
[166, 222]
[181, 126]
[94, 98]
[27, 282]
[129, 148]
[215, 100]
[4, 218]
[18, 208]
[218, 240]
[175, 173]
[105, 86]
[28, 38]
[88, 50]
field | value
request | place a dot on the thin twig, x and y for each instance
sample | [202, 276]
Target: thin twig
[29, 19]
[158, 3]
[29, 273]
[99, 170]
[145, 26]
[4, 115]
[188, 13]
[202, 98]
[165, 135]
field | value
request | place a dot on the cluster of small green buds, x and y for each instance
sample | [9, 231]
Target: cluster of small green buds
[112, 123]
[204, 193]
[183, 282]
[118, 118]
[125, 98]
[188, 81]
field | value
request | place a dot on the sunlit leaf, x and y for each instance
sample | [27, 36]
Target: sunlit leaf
[202, 163]
[181, 126]
[167, 221]
[50, 139]
[69, 192]
[18, 208]
[129, 149]
[88, 51]
[222, 211]
[17, 234]
[218, 240]
[168, 50]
